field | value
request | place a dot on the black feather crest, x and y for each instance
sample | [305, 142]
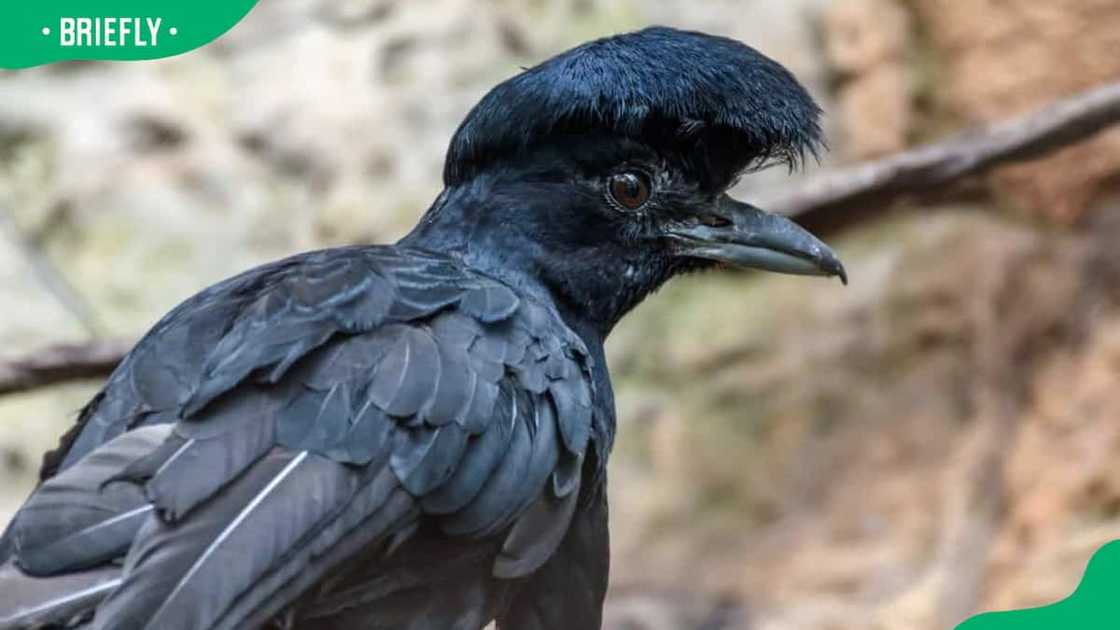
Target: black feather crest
[681, 82]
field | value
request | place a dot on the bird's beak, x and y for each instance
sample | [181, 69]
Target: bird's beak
[740, 234]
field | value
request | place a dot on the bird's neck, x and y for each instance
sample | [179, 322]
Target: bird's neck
[496, 229]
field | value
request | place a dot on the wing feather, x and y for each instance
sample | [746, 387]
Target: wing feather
[536, 535]
[426, 457]
[74, 520]
[185, 574]
[39, 602]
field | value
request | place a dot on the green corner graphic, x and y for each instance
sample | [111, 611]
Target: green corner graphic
[35, 32]
[1094, 605]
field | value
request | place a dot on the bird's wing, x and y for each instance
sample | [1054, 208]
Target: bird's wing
[258, 322]
[319, 408]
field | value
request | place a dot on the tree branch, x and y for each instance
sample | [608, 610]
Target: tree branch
[61, 363]
[841, 197]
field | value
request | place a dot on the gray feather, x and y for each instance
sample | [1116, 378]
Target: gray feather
[535, 536]
[185, 575]
[35, 602]
[75, 520]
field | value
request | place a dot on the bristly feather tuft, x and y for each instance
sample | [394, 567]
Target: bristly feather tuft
[711, 89]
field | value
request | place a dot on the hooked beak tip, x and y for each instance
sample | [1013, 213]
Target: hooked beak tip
[834, 267]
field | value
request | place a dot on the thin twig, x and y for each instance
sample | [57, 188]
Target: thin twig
[51, 279]
[831, 198]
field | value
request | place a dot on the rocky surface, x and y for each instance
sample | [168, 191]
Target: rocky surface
[990, 58]
[868, 46]
[935, 439]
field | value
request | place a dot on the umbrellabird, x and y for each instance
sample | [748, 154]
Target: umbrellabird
[415, 436]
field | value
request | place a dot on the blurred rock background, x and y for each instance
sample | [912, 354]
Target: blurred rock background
[940, 437]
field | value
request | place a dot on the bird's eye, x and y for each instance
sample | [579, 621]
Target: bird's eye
[629, 189]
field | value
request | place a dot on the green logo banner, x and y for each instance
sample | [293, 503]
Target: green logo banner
[34, 32]
[1095, 605]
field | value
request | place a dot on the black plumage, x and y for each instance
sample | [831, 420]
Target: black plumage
[416, 435]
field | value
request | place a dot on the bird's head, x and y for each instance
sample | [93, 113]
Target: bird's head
[603, 171]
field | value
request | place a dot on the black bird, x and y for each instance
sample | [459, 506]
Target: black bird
[415, 436]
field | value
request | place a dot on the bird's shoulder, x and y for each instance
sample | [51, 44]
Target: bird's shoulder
[401, 369]
[403, 330]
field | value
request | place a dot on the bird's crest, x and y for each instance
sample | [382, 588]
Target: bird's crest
[657, 77]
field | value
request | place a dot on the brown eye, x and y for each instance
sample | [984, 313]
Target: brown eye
[629, 189]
